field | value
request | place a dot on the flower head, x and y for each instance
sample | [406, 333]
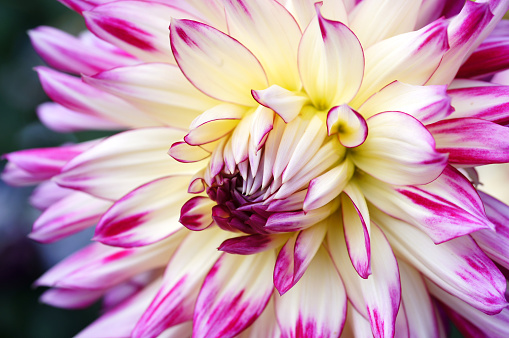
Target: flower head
[322, 170]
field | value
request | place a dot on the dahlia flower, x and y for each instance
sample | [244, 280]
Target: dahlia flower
[321, 178]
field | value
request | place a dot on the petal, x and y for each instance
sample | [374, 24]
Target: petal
[160, 90]
[196, 214]
[399, 150]
[427, 104]
[471, 142]
[446, 208]
[215, 63]
[410, 57]
[74, 94]
[265, 325]
[60, 119]
[71, 214]
[175, 301]
[316, 306]
[458, 266]
[350, 125]
[331, 62]
[285, 103]
[267, 29]
[98, 266]
[83, 55]
[46, 194]
[234, 293]
[296, 255]
[125, 161]
[495, 243]
[183, 152]
[488, 103]
[489, 58]
[138, 27]
[328, 186]
[214, 123]
[145, 215]
[251, 244]
[70, 298]
[263, 122]
[391, 17]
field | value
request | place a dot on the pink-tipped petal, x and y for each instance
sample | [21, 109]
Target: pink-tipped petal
[215, 63]
[145, 215]
[285, 103]
[234, 293]
[252, 244]
[316, 306]
[183, 152]
[471, 142]
[71, 298]
[196, 213]
[350, 126]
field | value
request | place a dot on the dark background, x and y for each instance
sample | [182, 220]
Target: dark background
[21, 259]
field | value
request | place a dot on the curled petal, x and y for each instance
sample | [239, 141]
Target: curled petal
[350, 125]
[183, 152]
[196, 214]
[285, 103]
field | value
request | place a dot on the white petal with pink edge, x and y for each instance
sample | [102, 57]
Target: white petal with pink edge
[416, 303]
[125, 161]
[427, 104]
[184, 275]
[446, 208]
[304, 10]
[410, 57]
[158, 89]
[488, 59]
[399, 150]
[138, 27]
[120, 321]
[328, 186]
[234, 293]
[145, 215]
[283, 102]
[46, 194]
[70, 298]
[271, 33]
[215, 63]
[183, 152]
[296, 255]
[471, 142]
[458, 266]
[63, 120]
[391, 17]
[357, 226]
[495, 243]
[17, 177]
[316, 306]
[98, 266]
[85, 54]
[74, 94]
[71, 214]
[214, 123]
[331, 62]
[350, 126]
[196, 213]
[469, 320]
[265, 325]
[486, 102]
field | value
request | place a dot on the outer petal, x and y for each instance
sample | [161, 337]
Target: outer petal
[70, 298]
[60, 119]
[316, 306]
[446, 208]
[138, 27]
[234, 293]
[471, 142]
[265, 326]
[331, 62]
[495, 243]
[160, 90]
[490, 57]
[78, 96]
[183, 152]
[427, 104]
[84, 55]
[488, 103]
[411, 58]
[145, 215]
[69, 215]
[215, 63]
[125, 161]
[98, 266]
[391, 17]
[469, 320]
[399, 150]
[175, 301]
[458, 266]
[267, 29]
